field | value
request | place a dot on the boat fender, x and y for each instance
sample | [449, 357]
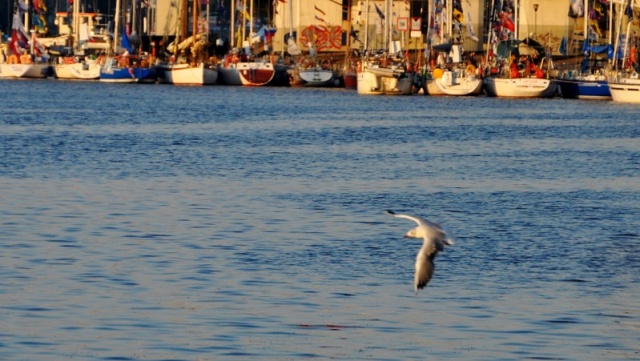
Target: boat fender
[471, 69]
[359, 67]
[25, 59]
[13, 59]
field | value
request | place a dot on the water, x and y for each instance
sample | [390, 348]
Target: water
[176, 223]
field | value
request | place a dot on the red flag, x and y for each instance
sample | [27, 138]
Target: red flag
[506, 22]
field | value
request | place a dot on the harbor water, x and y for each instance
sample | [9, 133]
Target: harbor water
[153, 222]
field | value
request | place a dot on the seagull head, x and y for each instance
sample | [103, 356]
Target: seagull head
[413, 233]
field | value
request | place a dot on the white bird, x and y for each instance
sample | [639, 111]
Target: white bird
[435, 238]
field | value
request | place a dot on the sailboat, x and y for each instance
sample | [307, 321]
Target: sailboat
[314, 74]
[624, 84]
[196, 68]
[71, 67]
[26, 58]
[590, 81]
[124, 68]
[451, 76]
[244, 69]
[382, 73]
[516, 74]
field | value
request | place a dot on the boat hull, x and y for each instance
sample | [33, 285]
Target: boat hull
[127, 75]
[382, 81]
[256, 74]
[584, 89]
[35, 70]
[77, 71]
[350, 79]
[229, 75]
[464, 86]
[625, 91]
[519, 87]
[317, 77]
[184, 74]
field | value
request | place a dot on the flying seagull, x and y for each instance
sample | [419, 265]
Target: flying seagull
[434, 238]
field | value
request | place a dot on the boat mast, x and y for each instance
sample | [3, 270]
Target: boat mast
[516, 19]
[346, 55]
[116, 24]
[366, 28]
[76, 24]
[244, 22]
[449, 18]
[233, 24]
[586, 22]
[250, 37]
[490, 30]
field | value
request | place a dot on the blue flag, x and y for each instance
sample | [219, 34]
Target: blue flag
[124, 42]
[629, 11]
[563, 46]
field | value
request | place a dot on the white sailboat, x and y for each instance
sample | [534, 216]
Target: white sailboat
[197, 70]
[515, 79]
[23, 62]
[381, 73]
[453, 77]
[624, 88]
[70, 68]
[314, 74]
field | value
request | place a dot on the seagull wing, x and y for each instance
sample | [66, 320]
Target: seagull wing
[418, 220]
[424, 265]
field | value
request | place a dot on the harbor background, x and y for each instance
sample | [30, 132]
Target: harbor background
[212, 223]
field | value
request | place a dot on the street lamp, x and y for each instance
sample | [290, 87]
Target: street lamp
[535, 29]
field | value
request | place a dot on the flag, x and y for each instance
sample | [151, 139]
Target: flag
[629, 11]
[380, 13]
[124, 42]
[576, 10]
[470, 30]
[563, 46]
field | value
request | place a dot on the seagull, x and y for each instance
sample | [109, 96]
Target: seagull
[434, 238]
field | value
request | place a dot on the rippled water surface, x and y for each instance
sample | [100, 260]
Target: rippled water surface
[177, 223]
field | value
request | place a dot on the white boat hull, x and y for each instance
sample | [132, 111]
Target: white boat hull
[625, 90]
[184, 74]
[519, 87]
[35, 70]
[77, 71]
[468, 85]
[317, 77]
[382, 81]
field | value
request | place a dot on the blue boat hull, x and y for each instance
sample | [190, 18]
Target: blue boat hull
[584, 89]
[128, 75]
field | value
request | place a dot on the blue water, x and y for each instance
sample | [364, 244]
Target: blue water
[152, 222]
